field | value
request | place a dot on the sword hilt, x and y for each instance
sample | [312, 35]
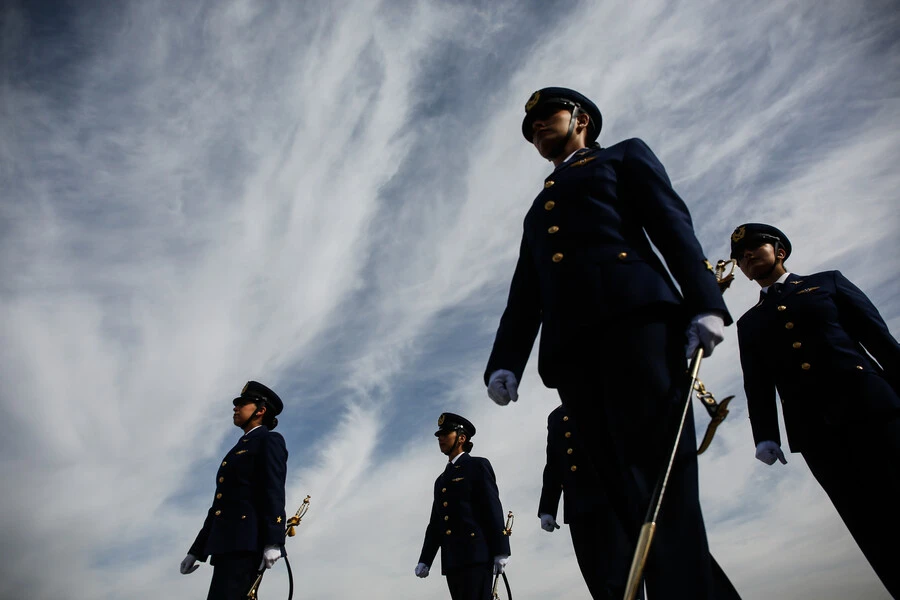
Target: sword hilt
[507, 531]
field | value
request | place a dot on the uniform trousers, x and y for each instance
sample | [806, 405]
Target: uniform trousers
[624, 392]
[601, 549]
[858, 466]
[233, 574]
[471, 583]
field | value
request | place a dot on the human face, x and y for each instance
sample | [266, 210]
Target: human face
[758, 261]
[549, 129]
[447, 442]
[243, 412]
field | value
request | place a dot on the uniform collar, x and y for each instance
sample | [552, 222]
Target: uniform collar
[456, 458]
[781, 279]
[572, 158]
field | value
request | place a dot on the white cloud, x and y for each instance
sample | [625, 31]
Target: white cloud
[203, 196]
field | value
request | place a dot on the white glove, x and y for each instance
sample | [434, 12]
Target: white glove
[500, 562]
[705, 330]
[270, 555]
[769, 451]
[548, 523]
[189, 564]
[422, 570]
[503, 387]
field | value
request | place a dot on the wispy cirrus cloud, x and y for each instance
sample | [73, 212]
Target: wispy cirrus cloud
[328, 198]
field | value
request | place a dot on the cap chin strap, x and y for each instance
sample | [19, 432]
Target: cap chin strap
[561, 147]
[775, 246]
[456, 443]
[251, 417]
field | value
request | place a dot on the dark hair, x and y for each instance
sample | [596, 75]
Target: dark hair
[466, 445]
[269, 418]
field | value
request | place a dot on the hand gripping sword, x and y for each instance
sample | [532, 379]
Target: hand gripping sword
[507, 530]
[648, 529]
[289, 531]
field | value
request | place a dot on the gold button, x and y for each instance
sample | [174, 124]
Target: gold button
[443, 490]
[445, 504]
[218, 496]
[557, 257]
[224, 463]
[796, 345]
[447, 532]
[622, 255]
[860, 367]
[221, 479]
[574, 468]
[782, 307]
[566, 418]
[568, 434]
[243, 516]
[788, 325]
[549, 204]
[472, 534]
[218, 512]
[805, 366]
[447, 518]
[548, 184]
[569, 451]
[553, 229]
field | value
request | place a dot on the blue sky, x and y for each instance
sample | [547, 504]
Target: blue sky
[328, 197]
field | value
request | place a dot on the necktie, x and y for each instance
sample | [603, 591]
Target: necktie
[773, 292]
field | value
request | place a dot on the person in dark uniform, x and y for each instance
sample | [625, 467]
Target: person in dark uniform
[601, 546]
[812, 338]
[467, 521]
[614, 328]
[244, 528]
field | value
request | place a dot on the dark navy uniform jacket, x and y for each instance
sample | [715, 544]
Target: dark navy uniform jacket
[568, 472]
[247, 513]
[467, 519]
[585, 258]
[811, 342]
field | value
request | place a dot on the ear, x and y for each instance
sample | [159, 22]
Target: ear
[781, 254]
[582, 120]
[261, 410]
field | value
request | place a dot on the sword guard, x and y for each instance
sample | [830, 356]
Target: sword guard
[721, 412]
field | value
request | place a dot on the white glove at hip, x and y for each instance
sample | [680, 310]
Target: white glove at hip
[422, 570]
[548, 523]
[769, 452]
[189, 564]
[707, 331]
[500, 562]
[503, 387]
[270, 555]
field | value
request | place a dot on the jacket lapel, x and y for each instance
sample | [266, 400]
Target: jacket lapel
[793, 284]
[581, 157]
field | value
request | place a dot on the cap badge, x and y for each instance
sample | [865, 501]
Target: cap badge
[738, 234]
[246, 385]
[441, 420]
[532, 101]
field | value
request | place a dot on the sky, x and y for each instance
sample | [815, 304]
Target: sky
[328, 197]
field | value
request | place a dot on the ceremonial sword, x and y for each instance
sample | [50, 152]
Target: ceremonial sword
[648, 529]
[289, 531]
[507, 530]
